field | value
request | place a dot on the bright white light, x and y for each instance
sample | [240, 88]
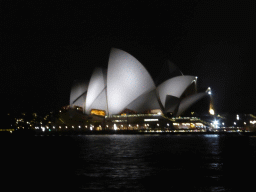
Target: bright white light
[115, 127]
[167, 124]
[237, 117]
[215, 123]
[211, 111]
[150, 119]
[234, 123]
[223, 123]
[209, 92]
[245, 123]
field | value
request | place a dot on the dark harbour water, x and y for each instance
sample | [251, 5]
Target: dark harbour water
[189, 162]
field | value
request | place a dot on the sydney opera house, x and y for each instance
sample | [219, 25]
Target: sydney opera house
[126, 95]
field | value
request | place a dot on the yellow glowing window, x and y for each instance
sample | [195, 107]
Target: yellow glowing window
[98, 112]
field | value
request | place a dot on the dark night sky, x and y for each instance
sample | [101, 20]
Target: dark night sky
[45, 45]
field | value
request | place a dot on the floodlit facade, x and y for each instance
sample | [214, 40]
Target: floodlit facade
[127, 87]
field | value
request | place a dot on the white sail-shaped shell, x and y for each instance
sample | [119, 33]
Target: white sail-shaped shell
[174, 87]
[78, 93]
[100, 102]
[96, 86]
[127, 79]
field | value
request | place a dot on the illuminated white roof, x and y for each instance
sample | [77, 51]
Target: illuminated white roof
[174, 87]
[127, 79]
[100, 102]
[128, 85]
[78, 93]
[189, 101]
[96, 86]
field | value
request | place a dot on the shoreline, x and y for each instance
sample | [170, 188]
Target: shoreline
[35, 133]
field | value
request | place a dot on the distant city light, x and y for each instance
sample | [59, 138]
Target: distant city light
[211, 111]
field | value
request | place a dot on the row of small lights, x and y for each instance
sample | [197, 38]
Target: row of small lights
[91, 126]
[216, 123]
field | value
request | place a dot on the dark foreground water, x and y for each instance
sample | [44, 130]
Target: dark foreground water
[129, 163]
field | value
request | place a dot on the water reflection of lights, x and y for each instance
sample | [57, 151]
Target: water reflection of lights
[211, 135]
